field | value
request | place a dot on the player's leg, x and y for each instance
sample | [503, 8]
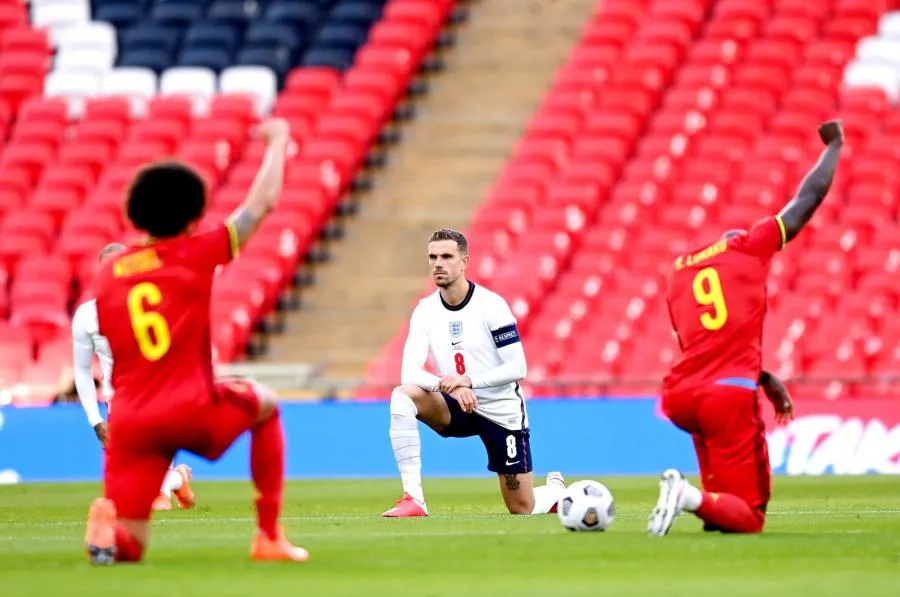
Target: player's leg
[736, 450]
[409, 405]
[682, 410]
[245, 405]
[509, 455]
[706, 480]
[118, 527]
[177, 483]
[739, 464]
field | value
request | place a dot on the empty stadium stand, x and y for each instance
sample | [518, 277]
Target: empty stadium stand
[89, 91]
[671, 122]
[467, 125]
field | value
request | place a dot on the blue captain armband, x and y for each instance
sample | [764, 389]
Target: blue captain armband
[508, 334]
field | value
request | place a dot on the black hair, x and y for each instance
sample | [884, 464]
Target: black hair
[165, 198]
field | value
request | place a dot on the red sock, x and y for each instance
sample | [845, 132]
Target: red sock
[730, 513]
[267, 470]
[128, 549]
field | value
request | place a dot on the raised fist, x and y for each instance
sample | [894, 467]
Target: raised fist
[275, 129]
[832, 132]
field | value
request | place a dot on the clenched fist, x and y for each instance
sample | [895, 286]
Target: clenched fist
[832, 132]
[275, 130]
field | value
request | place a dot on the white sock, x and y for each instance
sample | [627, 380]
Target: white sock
[406, 444]
[172, 482]
[691, 498]
[547, 496]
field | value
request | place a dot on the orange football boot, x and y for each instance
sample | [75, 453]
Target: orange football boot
[279, 549]
[184, 496]
[100, 537]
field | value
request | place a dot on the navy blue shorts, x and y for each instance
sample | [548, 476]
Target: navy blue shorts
[508, 451]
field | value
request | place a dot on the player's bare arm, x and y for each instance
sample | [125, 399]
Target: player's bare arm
[778, 395]
[816, 183]
[266, 186]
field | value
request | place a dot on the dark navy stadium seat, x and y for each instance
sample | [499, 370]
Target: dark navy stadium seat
[120, 14]
[215, 34]
[149, 35]
[152, 58]
[279, 61]
[356, 13]
[211, 35]
[177, 13]
[215, 59]
[330, 57]
[341, 37]
[264, 35]
[236, 12]
[297, 14]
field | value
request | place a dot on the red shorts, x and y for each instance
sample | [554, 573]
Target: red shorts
[729, 437]
[141, 448]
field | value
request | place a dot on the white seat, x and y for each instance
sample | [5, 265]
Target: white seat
[93, 61]
[95, 35]
[889, 26]
[139, 84]
[258, 81]
[193, 81]
[879, 75]
[76, 86]
[57, 15]
[874, 50]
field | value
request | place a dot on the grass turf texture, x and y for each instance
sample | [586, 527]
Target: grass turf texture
[825, 536]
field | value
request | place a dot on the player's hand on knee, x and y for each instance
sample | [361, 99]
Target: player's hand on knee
[466, 398]
[778, 395]
[102, 431]
[448, 383]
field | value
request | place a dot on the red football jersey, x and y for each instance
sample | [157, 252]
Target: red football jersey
[153, 305]
[717, 303]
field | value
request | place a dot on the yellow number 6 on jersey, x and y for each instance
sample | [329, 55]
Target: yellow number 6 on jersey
[708, 292]
[153, 346]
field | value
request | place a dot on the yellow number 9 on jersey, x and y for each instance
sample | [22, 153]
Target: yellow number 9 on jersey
[150, 328]
[708, 292]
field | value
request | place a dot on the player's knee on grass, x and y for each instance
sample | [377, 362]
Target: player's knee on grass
[138, 529]
[518, 493]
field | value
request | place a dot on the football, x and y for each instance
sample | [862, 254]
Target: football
[587, 506]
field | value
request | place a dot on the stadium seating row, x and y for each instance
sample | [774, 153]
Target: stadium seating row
[670, 123]
[66, 157]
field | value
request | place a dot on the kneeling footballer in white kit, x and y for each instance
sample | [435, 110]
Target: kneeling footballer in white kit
[87, 341]
[472, 334]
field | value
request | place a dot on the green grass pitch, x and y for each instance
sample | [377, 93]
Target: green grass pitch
[826, 536]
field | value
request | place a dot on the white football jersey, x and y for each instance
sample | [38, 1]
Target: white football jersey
[88, 342]
[477, 338]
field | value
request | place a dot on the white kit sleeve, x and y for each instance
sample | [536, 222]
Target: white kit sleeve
[415, 353]
[505, 333]
[83, 362]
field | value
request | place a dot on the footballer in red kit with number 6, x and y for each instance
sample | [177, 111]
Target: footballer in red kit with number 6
[717, 303]
[153, 307]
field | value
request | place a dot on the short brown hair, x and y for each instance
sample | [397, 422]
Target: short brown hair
[454, 235]
[165, 198]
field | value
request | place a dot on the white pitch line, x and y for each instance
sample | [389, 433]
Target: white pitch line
[401, 534]
[454, 518]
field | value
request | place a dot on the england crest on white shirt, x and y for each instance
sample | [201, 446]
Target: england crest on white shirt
[456, 329]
